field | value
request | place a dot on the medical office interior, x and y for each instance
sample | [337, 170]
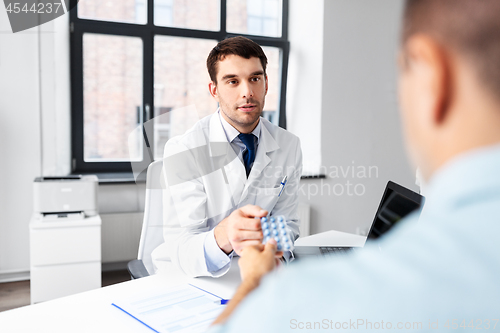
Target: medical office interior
[341, 101]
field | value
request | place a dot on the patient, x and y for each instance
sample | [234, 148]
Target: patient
[441, 271]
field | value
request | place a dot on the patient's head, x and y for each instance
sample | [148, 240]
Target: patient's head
[449, 78]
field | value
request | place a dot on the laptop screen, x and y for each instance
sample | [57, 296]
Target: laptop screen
[397, 202]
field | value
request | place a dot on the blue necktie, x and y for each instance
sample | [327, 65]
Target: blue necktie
[249, 154]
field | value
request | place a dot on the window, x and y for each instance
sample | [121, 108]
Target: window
[138, 72]
[260, 17]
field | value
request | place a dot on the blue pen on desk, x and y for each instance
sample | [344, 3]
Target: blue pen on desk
[222, 301]
[283, 183]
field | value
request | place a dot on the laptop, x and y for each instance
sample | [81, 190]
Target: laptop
[397, 202]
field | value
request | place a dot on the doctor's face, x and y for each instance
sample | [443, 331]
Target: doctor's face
[241, 90]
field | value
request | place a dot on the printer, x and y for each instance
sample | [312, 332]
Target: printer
[65, 197]
[65, 237]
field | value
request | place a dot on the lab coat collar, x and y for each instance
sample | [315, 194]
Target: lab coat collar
[218, 140]
[267, 144]
[232, 133]
[235, 170]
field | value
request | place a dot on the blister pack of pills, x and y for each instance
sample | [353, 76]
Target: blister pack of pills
[275, 227]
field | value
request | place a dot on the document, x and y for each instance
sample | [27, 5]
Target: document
[180, 309]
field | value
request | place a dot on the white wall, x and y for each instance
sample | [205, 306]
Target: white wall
[55, 97]
[305, 79]
[19, 142]
[359, 118]
[35, 141]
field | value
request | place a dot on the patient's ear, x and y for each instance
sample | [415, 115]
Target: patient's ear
[430, 67]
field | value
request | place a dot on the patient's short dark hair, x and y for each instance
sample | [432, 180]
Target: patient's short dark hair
[239, 46]
[469, 27]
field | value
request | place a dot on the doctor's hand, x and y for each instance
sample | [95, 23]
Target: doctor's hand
[240, 229]
[256, 261]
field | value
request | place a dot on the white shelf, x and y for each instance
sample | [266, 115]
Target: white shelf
[65, 257]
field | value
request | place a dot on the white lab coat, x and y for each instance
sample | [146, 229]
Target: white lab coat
[206, 181]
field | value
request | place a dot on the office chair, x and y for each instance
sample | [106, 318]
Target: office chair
[152, 225]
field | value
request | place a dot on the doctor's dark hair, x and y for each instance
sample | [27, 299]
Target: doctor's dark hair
[240, 46]
[470, 28]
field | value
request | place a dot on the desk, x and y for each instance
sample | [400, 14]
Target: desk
[92, 311]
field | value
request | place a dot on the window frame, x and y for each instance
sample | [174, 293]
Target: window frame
[147, 32]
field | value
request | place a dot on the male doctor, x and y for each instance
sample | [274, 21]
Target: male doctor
[230, 169]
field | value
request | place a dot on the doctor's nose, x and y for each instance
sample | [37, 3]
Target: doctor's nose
[246, 91]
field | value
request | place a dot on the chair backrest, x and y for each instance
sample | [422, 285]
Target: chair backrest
[152, 225]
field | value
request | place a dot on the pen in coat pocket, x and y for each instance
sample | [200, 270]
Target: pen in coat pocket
[283, 183]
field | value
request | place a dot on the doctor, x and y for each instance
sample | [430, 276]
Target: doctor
[230, 169]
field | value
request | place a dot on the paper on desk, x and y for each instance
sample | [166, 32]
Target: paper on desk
[224, 286]
[178, 309]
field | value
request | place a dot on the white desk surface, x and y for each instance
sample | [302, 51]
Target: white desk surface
[92, 311]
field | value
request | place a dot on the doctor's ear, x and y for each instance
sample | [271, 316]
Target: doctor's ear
[212, 87]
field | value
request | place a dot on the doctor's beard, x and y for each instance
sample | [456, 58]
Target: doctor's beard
[238, 117]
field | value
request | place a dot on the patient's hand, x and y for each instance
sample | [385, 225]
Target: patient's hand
[258, 260]
[240, 229]
[255, 262]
